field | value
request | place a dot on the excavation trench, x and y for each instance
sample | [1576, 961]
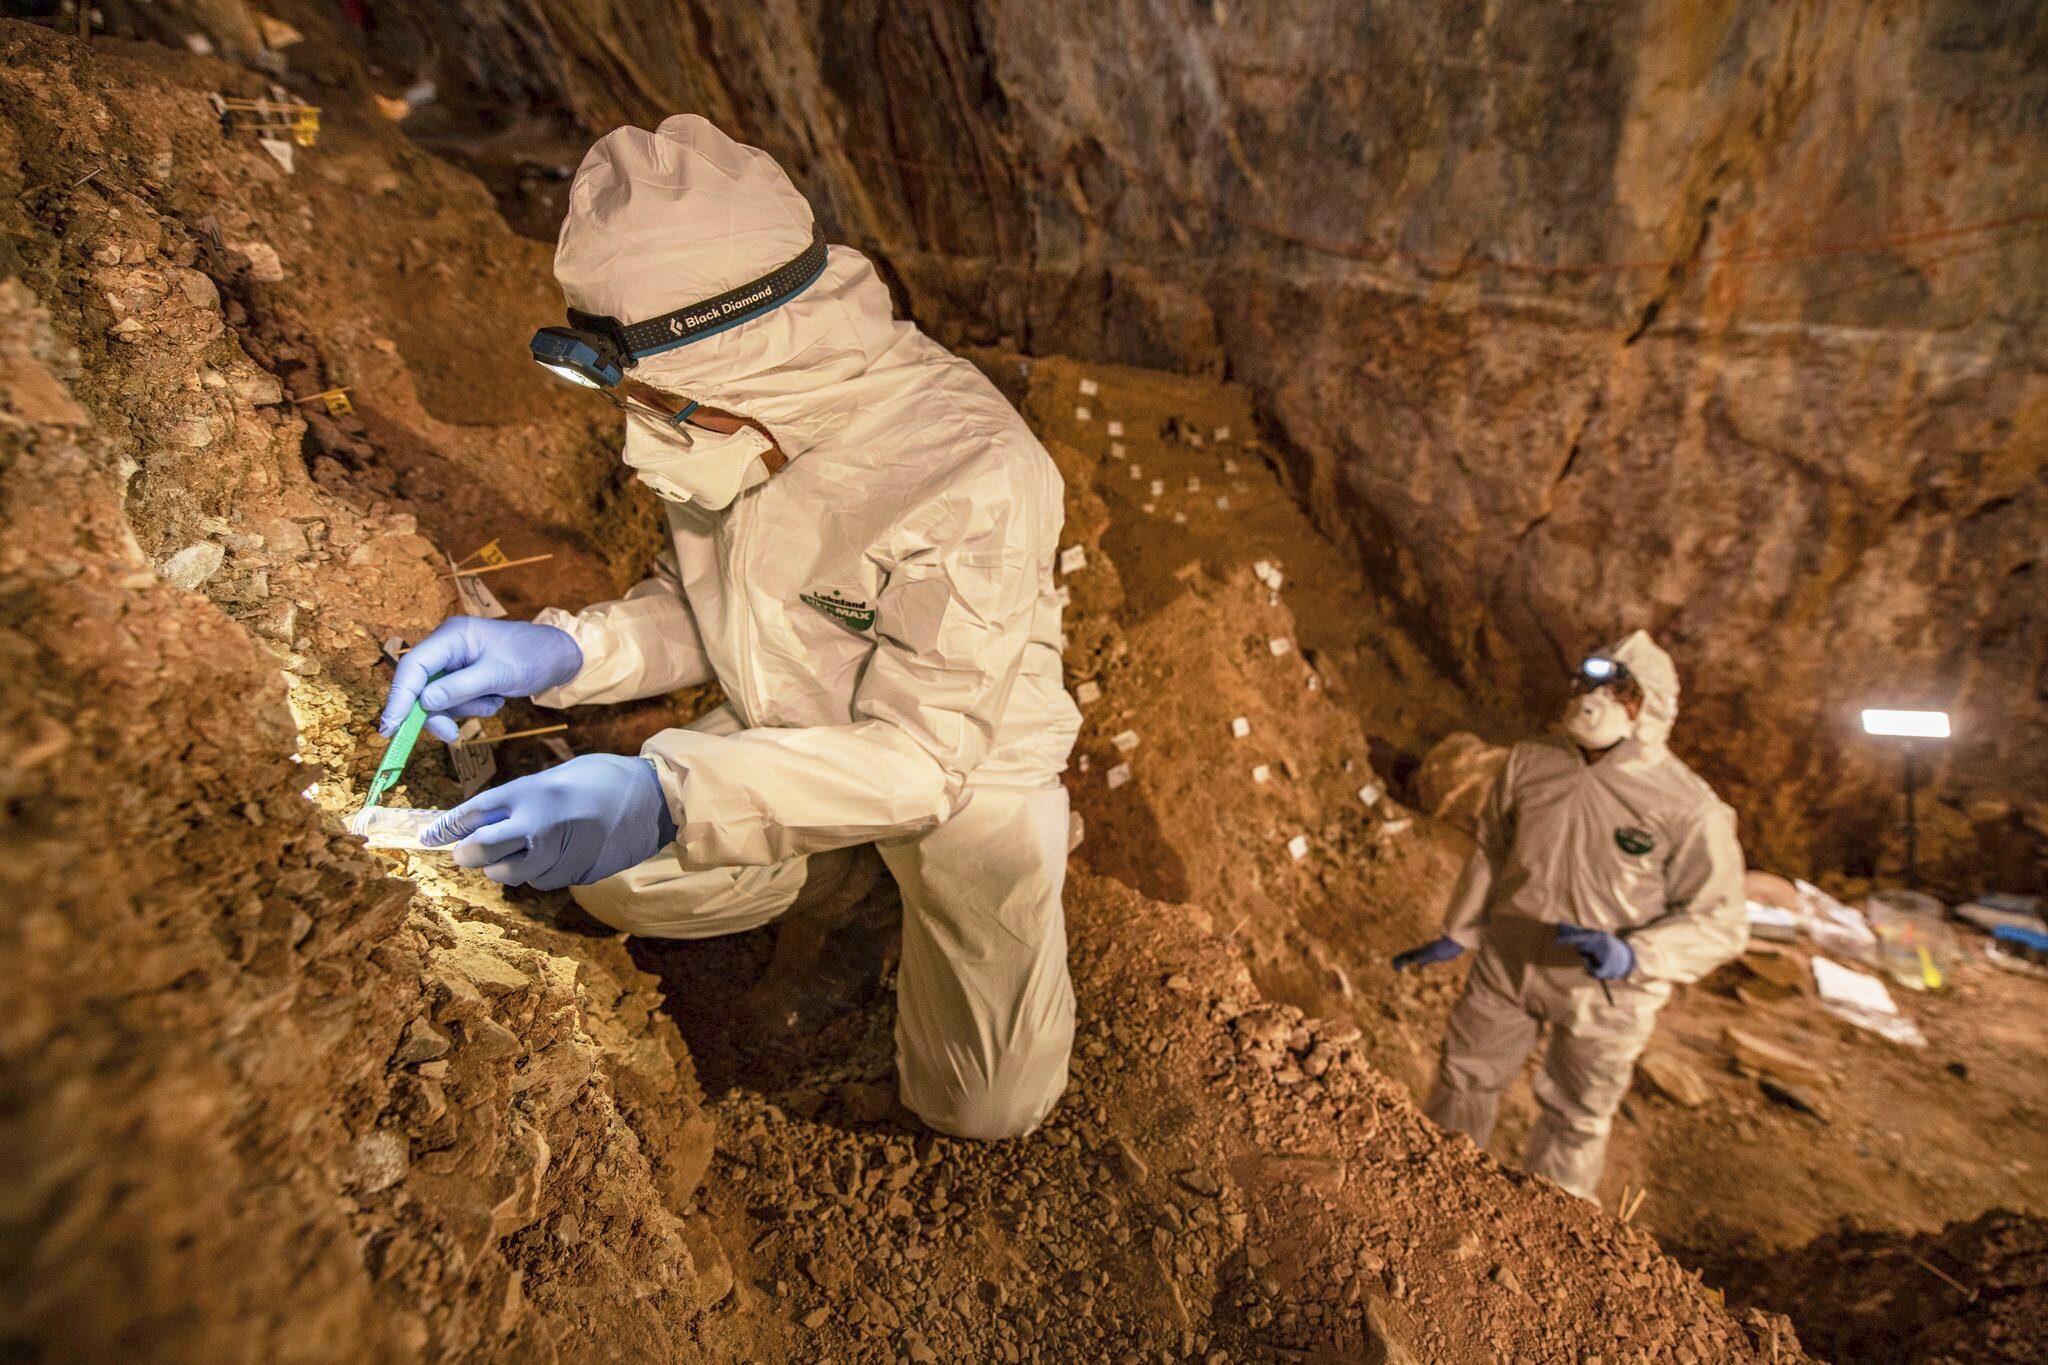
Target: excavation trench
[270, 1095]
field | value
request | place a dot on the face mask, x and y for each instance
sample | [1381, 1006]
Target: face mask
[1596, 720]
[710, 471]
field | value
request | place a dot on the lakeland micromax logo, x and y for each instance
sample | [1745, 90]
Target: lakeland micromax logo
[850, 612]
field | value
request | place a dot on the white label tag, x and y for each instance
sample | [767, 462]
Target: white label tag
[474, 764]
[478, 599]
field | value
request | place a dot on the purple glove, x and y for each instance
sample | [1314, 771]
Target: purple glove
[474, 663]
[1442, 950]
[1607, 957]
[576, 823]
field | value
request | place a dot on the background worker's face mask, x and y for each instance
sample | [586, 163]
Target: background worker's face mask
[703, 467]
[1597, 719]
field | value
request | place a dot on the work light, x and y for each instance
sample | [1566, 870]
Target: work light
[1908, 726]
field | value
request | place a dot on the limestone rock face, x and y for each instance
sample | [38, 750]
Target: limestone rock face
[1719, 320]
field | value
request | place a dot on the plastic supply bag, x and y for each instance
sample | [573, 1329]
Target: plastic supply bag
[395, 827]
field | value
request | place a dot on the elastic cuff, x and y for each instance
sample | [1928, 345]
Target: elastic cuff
[672, 781]
[666, 821]
[562, 694]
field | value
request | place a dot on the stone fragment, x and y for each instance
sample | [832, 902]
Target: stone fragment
[1764, 1058]
[1673, 1079]
[482, 967]
[528, 1159]
[377, 1162]
[1784, 970]
[1240, 727]
[193, 565]
[1088, 693]
[422, 1043]
[1119, 775]
[264, 265]
[1073, 559]
[1198, 1181]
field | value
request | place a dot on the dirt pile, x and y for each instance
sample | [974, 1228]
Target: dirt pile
[271, 1101]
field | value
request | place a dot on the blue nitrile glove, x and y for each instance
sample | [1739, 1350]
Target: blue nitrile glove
[481, 662]
[1607, 957]
[574, 824]
[1429, 954]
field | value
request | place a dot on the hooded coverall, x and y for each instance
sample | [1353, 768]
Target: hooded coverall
[880, 614]
[1633, 843]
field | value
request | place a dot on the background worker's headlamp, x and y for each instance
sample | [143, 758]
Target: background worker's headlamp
[596, 350]
[1600, 671]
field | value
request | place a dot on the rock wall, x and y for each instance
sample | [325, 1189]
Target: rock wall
[260, 1099]
[1722, 319]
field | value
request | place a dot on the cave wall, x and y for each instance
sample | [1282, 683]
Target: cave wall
[1717, 318]
[261, 1099]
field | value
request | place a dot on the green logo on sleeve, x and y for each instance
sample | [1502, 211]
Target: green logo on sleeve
[1634, 839]
[850, 612]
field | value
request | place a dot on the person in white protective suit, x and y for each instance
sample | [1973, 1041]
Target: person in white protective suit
[864, 533]
[1606, 872]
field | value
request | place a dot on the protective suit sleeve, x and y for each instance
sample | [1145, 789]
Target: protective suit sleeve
[644, 644]
[951, 631]
[1706, 923]
[1466, 916]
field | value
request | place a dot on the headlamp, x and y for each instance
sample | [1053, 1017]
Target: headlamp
[579, 355]
[596, 350]
[1598, 671]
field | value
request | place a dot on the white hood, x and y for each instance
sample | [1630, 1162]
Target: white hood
[1651, 667]
[658, 220]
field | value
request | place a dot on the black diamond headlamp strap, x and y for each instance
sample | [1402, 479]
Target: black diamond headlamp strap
[696, 321]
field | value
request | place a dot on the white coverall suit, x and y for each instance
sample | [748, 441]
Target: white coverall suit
[1633, 843]
[879, 612]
